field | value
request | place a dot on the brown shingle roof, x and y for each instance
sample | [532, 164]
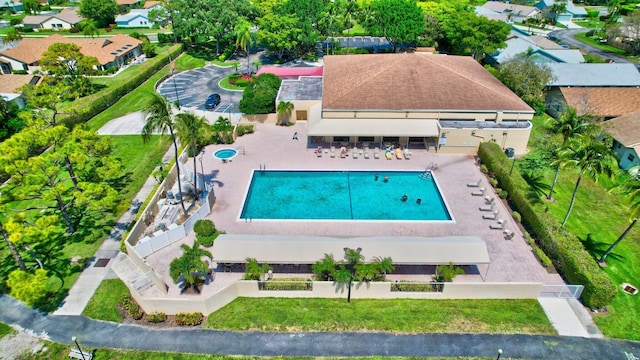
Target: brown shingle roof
[413, 81]
[10, 83]
[127, 2]
[69, 15]
[607, 102]
[150, 4]
[625, 129]
[30, 50]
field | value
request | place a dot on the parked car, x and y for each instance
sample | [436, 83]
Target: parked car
[212, 101]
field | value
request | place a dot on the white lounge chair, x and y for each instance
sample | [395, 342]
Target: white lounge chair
[354, 153]
[366, 153]
[488, 199]
[488, 207]
[492, 216]
[332, 152]
[479, 192]
[407, 153]
[474, 184]
[497, 226]
[376, 153]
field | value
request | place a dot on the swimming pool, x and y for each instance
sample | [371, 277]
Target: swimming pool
[225, 154]
[343, 195]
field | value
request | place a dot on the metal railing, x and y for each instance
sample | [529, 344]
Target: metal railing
[561, 291]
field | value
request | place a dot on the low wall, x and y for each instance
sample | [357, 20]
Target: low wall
[326, 289]
[260, 118]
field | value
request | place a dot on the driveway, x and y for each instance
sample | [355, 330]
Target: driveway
[568, 37]
[191, 88]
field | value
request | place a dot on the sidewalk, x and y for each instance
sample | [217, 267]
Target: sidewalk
[569, 317]
[87, 283]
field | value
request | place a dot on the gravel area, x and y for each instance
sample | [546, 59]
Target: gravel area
[13, 346]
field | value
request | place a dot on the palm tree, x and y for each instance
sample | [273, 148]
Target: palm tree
[324, 268]
[385, 265]
[632, 188]
[159, 117]
[350, 8]
[192, 130]
[569, 124]
[592, 156]
[344, 276]
[284, 110]
[190, 266]
[347, 273]
[255, 271]
[222, 127]
[242, 31]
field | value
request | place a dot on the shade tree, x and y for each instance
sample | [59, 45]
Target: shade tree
[102, 11]
[399, 21]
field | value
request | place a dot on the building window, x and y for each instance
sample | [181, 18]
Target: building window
[631, 157]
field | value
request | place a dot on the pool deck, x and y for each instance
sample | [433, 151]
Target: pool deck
[272, 147]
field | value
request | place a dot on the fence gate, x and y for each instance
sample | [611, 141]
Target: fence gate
[561, 291]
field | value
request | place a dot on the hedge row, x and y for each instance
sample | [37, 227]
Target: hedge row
[83, 109]
[295, 284]
[416, 287]
[566, 251]
[189, 319]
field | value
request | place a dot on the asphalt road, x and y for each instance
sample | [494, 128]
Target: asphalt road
[102, 334]
[191, 88]
[568, 37]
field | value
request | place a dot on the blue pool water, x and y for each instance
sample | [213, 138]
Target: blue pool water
[343, 195]
[225, 153]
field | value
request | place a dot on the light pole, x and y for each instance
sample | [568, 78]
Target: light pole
[499, 354]
[202, 170]
[75, 340]
[175, 88]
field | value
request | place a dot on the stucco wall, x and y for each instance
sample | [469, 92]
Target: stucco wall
[466, 141]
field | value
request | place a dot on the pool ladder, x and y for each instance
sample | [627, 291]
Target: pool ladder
[240, 150]
[263, 168]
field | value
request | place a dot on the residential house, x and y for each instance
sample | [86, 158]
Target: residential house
[11, 5]
[442, 103]
[65, 19]
[110, 52]
[507, 12]
[151, 5]
[135, 18]
[571, 12]
[540, 49]
[10, 87]
[625, 131]
[131, 4]
[602, 90]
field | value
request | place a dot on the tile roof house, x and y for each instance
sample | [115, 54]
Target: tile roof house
[440, 102]
[625, 131]
[614, 74]
[497, 10]
[65, 19]
[113, 51]
[10, 87]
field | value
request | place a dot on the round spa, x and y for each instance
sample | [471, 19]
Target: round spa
[225, 154]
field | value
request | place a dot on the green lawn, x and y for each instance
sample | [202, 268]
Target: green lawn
[591, 24]
[188, 62]
[102, 305]
[6, 330]
[397, 315]
[601, 215]
[603, 46]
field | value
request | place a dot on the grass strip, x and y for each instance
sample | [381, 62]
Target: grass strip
[102, 305]
[6, 330]
[397, 315]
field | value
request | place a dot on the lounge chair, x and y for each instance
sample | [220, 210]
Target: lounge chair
[492, 216]
[497, 226]
[332, 152]
[343, 152]
[366, 153]
[479, 192]
[376, 153]
[488, 207]
[508, 234]
[388, 155]
[474, 184]
[407, 153]
[488, 199]
[319, 151]
[354, 153]
[399, 154]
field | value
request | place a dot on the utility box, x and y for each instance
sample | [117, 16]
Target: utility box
[510, 152]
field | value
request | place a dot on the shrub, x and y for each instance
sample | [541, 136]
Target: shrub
[222, 58]
[156, 317]
[165, 38]
[244, 129]
[130, 306]
[544, 259]
[189, 319]
[502, 193]
[234, 77]
[14, 21]
[19, 72]
[563, 248]
[281, 284]
[259, 97]
[517, 217]
[493, 182]
[416, 287]
[242, 82]
[204, 227]
[74, 30]
[149, 49]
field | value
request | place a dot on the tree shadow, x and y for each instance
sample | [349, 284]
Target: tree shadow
[597, 248]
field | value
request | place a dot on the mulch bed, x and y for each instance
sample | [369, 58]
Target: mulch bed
[167, 324]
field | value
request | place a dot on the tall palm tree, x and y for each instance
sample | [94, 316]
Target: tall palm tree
[222, 127]
[632, 188]
[569, 124]
[323, 269]
[284, 110]
[592, 156]
[242, 31]
[159, 118]
[192, 130]
[190, 266]
[385, 265]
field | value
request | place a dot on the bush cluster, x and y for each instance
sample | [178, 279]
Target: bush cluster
[417, 287]
[294, 284]
[206, 232]
[87, 107]
[244, 129]
[189, 319]
[260, 95]
[563, 248]
[156, 317]
[130, 306]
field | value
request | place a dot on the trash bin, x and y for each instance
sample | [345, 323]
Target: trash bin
[510, 152]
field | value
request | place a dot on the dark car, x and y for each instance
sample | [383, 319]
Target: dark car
[212, 101]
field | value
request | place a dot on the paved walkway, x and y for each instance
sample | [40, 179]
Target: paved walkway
[102, 334]
[569, 317]
[87, 283]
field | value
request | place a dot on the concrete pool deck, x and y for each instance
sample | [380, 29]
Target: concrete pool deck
[273, 148]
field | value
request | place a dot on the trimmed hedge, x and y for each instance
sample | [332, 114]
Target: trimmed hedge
[81, 110]
[293, 284]
[407, 286]
[156, 317]
[565, 250]
[189, 319]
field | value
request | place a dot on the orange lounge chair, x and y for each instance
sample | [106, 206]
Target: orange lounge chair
[399, 154]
